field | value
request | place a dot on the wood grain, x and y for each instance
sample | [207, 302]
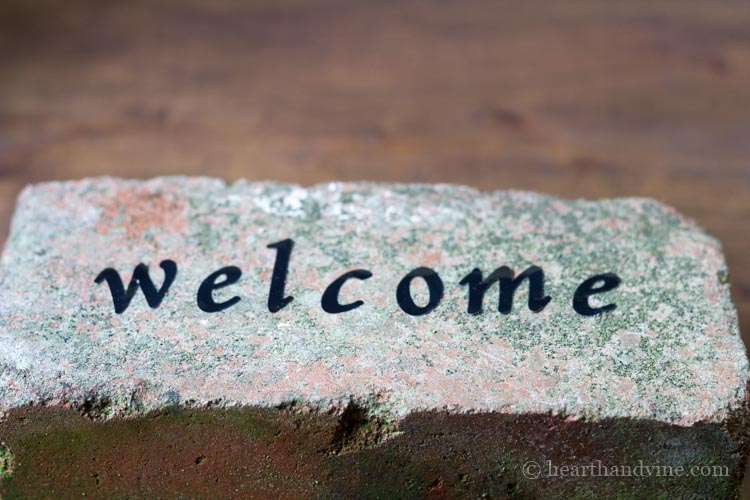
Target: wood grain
[581, 98]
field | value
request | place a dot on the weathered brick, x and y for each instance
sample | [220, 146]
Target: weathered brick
[410, 391]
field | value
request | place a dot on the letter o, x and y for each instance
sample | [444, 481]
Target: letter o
[434, 285]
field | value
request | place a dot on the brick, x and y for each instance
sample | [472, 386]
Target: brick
[382, 321]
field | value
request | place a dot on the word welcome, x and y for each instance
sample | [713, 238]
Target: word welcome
[330, 302]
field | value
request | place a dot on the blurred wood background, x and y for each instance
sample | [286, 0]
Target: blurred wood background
[582, 98]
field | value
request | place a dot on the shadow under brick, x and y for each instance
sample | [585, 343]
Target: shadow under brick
[267, 452]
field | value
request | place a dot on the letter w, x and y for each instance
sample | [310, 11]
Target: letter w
[122, 298]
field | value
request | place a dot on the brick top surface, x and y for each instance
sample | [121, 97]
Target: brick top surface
[669, 351]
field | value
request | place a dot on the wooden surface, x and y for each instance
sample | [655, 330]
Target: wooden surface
[576, 98]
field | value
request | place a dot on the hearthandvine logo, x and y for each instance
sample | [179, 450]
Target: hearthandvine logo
[477, 285]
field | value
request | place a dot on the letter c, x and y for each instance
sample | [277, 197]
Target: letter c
[330, 300]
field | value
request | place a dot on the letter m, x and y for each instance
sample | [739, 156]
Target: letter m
[508, 284]
[121, 298]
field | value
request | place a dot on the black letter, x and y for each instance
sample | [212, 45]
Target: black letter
[205, 291]
[586, 289]
[330, 300]
[508, 285]
[276, 299]
[434, 285]
[477, 287]
[121, 298]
